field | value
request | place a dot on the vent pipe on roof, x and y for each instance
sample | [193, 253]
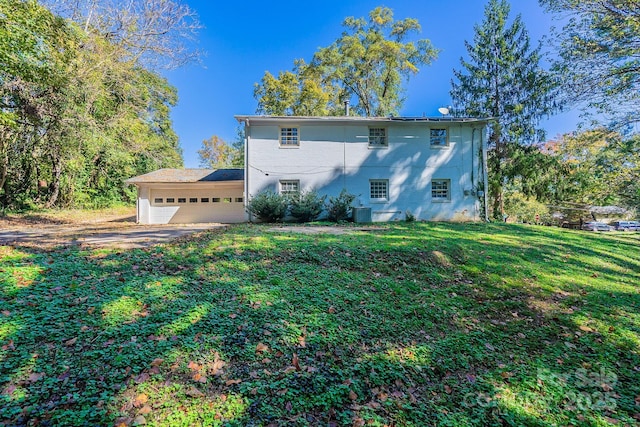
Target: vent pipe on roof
[346, 108]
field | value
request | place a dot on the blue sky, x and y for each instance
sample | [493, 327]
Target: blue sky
[243, 40]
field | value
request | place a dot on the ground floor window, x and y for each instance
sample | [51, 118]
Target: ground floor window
[379, 189]
[289, 186]
[441, 190]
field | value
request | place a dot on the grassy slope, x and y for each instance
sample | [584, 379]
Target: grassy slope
[413, 324]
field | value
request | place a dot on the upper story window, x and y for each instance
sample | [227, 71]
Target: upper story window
[289, 186]
[379, 189]
[441, 190]
[439, 137]
[378, 137]
[289, 137]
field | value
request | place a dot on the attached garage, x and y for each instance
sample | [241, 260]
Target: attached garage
[187, 196]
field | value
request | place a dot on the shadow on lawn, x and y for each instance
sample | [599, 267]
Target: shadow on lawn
[255, 328]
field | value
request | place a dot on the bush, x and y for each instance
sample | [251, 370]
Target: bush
[522, 209]
[409, 217]
[306, 206]
[339, 208]
[268, 206]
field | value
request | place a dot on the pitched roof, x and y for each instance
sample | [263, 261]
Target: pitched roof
[188, 175]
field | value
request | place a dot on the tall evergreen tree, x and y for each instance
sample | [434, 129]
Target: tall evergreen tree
[502, 79]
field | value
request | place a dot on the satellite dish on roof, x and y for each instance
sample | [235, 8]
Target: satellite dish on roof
[444, 111]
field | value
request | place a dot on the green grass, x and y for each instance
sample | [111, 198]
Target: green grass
[407, 325]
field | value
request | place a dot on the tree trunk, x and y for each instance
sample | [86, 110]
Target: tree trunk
[55, 183]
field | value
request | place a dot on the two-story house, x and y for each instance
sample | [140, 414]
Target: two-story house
[430, 167]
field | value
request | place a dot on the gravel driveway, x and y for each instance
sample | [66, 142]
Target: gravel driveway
[118, 232]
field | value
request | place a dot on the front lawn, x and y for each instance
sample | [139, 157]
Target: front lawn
[404, 324]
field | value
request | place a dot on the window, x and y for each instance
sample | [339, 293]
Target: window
[171, 200]
[438, 137]
[157, 200]
[440, 190]
[289, 186]
[193, 200]
[379, 189]
[239, 200]
[204, 200]
[289, 137]
[378, 137]
[216, 200]
[227, 200]
[182, 200]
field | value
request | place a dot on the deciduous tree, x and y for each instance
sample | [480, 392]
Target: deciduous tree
[367, 65]
[597, 167]
[77, 118]
[215, 153]
[599, 55]
[154, 33]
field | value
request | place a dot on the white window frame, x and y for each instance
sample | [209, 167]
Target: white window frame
[378, 137]
[441, 190]
[377, 188]
[439, 138]
[284, 184]
[289, 137]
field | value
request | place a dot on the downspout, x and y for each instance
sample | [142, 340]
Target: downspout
[246, 169]
[474, 187]
[485, 175]
[137, 204]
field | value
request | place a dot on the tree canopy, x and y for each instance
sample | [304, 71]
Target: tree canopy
[366, 65]
[79, 115]
[599, 55]
[152, 33]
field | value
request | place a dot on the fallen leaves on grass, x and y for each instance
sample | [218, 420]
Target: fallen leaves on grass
[296, 362]
[140, 400]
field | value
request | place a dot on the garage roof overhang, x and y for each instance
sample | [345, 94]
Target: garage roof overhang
[189, 176]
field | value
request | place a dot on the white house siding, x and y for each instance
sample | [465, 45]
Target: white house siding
[336, 155]
[229, 208]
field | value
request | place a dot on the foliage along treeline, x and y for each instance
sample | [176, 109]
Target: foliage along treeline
[79, 113]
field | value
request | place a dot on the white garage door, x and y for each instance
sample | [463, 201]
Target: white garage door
[188, 206]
